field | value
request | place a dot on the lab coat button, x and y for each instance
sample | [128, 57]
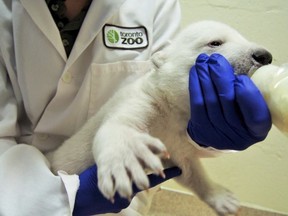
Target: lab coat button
[67, 78]
[65, 42]
[55, 7]
[60, 25]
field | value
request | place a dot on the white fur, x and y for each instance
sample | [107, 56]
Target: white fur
[145, 119]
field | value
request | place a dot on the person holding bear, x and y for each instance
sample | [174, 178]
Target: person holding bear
[60, 62]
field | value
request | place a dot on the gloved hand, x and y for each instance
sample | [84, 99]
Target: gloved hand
[227, 110]
[89, 199]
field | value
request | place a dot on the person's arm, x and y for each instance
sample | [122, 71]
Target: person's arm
[89, 199]
[8, 109]
[27, 185]
[25, 177]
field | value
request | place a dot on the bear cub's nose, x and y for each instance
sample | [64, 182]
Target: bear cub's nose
[262, 56]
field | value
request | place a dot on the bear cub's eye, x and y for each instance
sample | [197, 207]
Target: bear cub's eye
[215, 43]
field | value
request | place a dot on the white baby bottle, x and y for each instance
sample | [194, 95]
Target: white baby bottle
[272, 81]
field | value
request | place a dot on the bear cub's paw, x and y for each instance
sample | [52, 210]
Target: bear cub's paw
[122, 158]
[222, 201]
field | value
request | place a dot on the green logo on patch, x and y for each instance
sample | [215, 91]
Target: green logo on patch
[112, 36]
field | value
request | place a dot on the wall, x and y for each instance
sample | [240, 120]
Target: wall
[259, 175]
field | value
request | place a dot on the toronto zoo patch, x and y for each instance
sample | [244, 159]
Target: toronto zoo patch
[118, 37]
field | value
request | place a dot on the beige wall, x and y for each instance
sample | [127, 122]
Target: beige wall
[259, 175]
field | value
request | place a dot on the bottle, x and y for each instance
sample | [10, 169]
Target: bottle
[272, 81]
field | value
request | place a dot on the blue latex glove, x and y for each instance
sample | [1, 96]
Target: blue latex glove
[227, 110]
[89, 199]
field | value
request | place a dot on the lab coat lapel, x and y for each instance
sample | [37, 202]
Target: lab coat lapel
[97, 15]
[40, 14]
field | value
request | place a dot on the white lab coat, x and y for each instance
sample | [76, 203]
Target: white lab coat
[45, 97]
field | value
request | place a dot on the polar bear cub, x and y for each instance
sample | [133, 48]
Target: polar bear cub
[146, 119]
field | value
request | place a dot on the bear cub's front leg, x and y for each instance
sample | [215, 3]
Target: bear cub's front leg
[122, 153]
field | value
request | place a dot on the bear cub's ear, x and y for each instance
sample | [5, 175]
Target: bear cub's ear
[158, 59]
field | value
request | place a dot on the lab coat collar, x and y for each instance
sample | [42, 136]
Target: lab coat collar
[100, 10]
[40, 14]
